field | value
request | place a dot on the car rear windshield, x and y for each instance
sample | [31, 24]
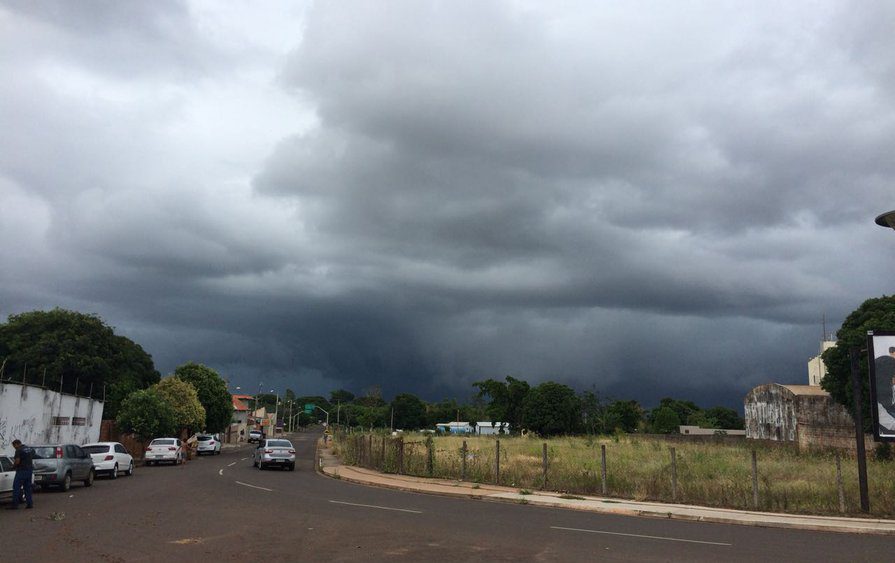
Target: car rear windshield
[279, 443]
[205, 438]
[47, 452]
[162, 443]
[95, 449]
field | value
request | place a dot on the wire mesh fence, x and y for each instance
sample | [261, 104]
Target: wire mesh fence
[746, 476]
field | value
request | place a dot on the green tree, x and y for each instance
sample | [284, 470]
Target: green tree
[683, 409]
[147, 414]
[189, 414]
[665, 420]
[552, 408]
[596, 414]
[874, 314]
[340, 396]
[628, 413]
[506, 400]
[410, 411]
[212, 392]
[76, 350]
[724, 418]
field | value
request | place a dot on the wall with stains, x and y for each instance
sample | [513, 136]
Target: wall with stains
[36, 416]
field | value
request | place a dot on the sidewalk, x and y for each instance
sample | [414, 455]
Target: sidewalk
[330, 465]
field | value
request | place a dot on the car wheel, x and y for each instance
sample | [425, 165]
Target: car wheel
[114, 473]
[130, 469]
[66, 482]
[291, 467]
[89, 480]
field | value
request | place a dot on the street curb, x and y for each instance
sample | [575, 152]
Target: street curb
[546, 501]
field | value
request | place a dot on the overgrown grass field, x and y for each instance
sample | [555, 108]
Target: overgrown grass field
[640, 468]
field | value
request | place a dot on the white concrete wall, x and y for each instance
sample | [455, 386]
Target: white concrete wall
[28, 413]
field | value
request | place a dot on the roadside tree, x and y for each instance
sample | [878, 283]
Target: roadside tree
[147, 414]
[75, 349]
[212, 393]
[665, 420]
[874, 314]
[189, 414]
[628, 413]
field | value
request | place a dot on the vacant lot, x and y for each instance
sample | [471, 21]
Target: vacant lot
[710, 474]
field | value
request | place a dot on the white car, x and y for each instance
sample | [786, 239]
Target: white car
[110, 458]
[274, 452]
[165, 450]
[208, 444]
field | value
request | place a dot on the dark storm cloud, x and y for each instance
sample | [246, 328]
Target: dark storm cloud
[645, 199]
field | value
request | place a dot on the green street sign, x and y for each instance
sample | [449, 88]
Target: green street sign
[309, 408]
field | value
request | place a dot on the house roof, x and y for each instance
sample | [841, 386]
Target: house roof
[238, 405]
[806, 390]
[242, 396]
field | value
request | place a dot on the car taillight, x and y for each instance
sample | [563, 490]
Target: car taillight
[291, 451]
[170, 449]
[58, 453]
[211, 443]
[149, 449]
[268, 451]
[108, 458]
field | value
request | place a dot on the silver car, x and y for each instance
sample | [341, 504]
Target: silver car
[274, 452]
[58, 465]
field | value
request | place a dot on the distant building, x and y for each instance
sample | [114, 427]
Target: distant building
[817, 369]
[238, 430]
[454, 427]
[803, 414]
[488, 428]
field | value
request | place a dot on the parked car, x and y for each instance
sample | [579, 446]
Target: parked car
[208, 444]
[274, 452]
[7, 476]
[255, 436]
[167, 450]
[110, 458]
[57, 465]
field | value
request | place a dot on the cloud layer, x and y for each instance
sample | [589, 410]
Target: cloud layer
[631, 197]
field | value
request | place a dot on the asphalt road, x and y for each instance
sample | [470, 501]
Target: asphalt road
[222, 508]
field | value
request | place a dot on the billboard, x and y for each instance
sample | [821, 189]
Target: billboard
[881, 352]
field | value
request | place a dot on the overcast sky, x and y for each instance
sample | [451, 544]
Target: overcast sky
[641, 198]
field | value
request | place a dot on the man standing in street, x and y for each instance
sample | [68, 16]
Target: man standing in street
[21, 484]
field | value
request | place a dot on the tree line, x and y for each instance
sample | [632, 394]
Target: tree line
[548, 408]
[62, 345]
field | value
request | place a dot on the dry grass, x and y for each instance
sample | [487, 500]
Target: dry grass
[708, 474]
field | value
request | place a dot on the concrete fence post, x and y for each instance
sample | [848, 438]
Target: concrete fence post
[370, 451]
[603, 468]
[430, 456]
[382, 454]
[497, 463]
[463, 462]
[544, 466]
[754, 479]
[399, 452]
[673, 475]
[839, 483]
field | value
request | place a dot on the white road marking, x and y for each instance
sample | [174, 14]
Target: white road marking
[232, 464]
[253, 486]
[374, 506]
[243, 459]
[638, 536]
[220, 472]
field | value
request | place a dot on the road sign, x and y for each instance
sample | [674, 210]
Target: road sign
[309, 408]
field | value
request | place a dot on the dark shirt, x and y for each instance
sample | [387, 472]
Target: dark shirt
[23, 457]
